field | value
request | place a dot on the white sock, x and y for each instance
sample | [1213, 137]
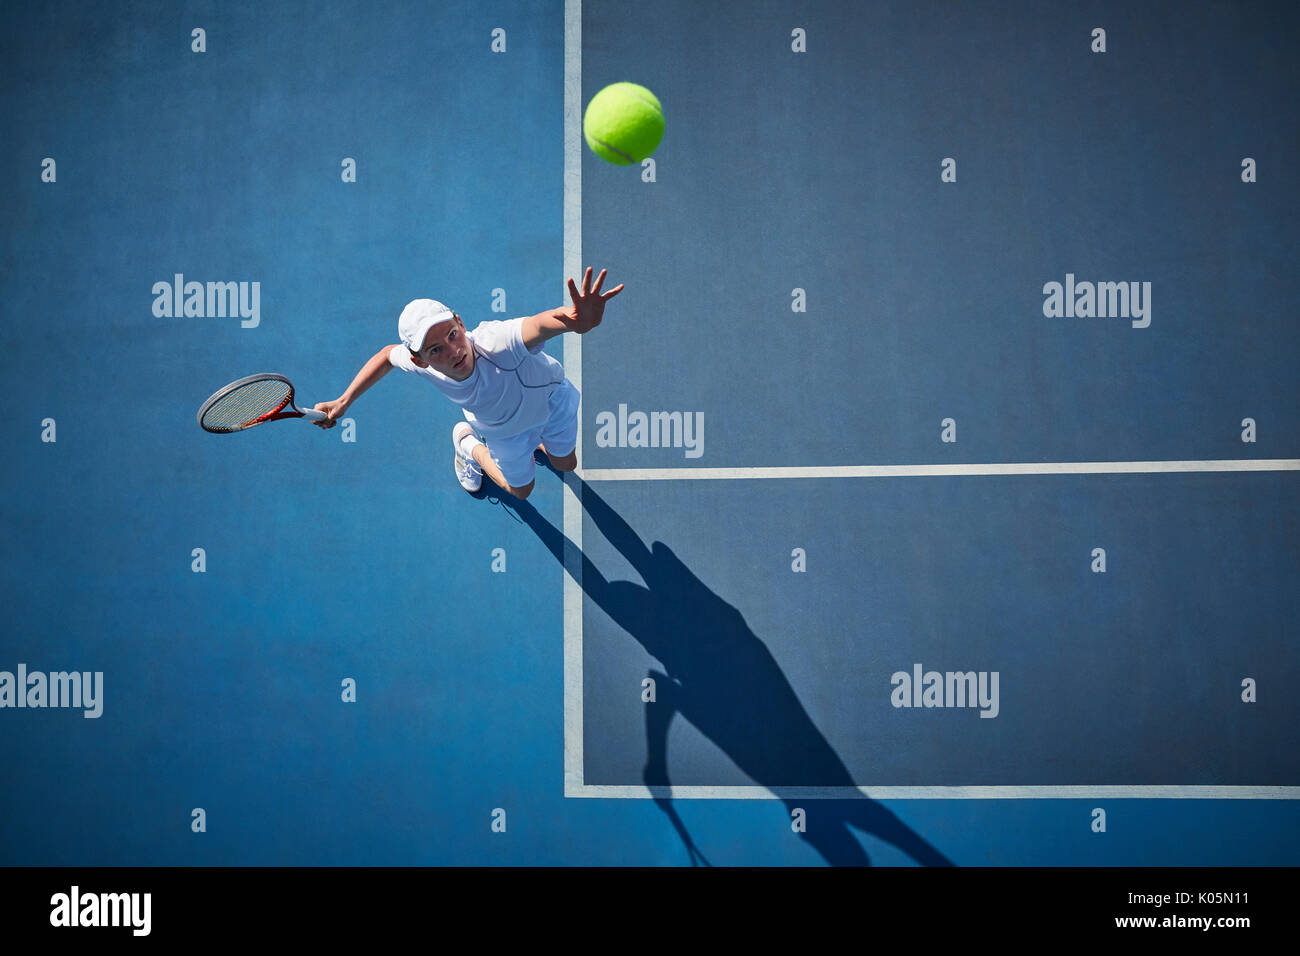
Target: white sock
[467, 447]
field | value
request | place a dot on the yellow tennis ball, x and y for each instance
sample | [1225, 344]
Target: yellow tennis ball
[623, 123]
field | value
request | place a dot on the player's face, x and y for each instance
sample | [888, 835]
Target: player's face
[447, 350]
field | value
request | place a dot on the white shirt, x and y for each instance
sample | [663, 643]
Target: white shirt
[509, 389]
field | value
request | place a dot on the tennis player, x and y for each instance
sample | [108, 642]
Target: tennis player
[514, 396]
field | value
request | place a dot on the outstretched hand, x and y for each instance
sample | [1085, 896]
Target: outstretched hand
[588, 306]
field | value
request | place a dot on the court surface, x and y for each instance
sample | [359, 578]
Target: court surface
[901, 555]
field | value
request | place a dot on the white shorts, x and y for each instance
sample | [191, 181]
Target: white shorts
[514, 455]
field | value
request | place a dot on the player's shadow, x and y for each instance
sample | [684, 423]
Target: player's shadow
[722, 678]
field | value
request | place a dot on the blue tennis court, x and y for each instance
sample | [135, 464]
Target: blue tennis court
[938, 465]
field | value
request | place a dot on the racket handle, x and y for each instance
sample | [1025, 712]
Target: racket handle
[313, 415]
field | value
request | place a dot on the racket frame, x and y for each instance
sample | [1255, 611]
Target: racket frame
[274, 415]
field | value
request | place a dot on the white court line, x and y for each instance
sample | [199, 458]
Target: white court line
[1080, 792]
[573, 595]
[573, 143]
[922, 471]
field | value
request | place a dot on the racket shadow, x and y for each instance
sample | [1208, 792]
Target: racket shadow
[720, 676]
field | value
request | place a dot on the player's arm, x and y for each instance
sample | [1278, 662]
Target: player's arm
[371, 372]
[543, 326]
[582, 315]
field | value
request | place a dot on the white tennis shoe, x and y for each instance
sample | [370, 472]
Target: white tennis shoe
[468, 473]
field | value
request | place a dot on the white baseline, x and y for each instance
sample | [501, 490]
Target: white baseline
[955, 470]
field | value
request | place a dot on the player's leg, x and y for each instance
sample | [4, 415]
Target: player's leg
[493, 471]
[521, 493]
[474, 460]
[507, 461]
[490, 468]
[561, 429]
[561, 462]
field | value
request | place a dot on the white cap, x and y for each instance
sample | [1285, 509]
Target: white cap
[418, 318]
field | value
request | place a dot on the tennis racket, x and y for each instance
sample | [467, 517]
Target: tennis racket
[250, 401]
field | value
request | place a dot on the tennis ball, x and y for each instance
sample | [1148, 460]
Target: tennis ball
[623, 123]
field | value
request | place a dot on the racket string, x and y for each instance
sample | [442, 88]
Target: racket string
[246, 404]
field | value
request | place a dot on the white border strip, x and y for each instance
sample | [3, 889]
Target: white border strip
[573, 143]
[943, 793]
[922, 471]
